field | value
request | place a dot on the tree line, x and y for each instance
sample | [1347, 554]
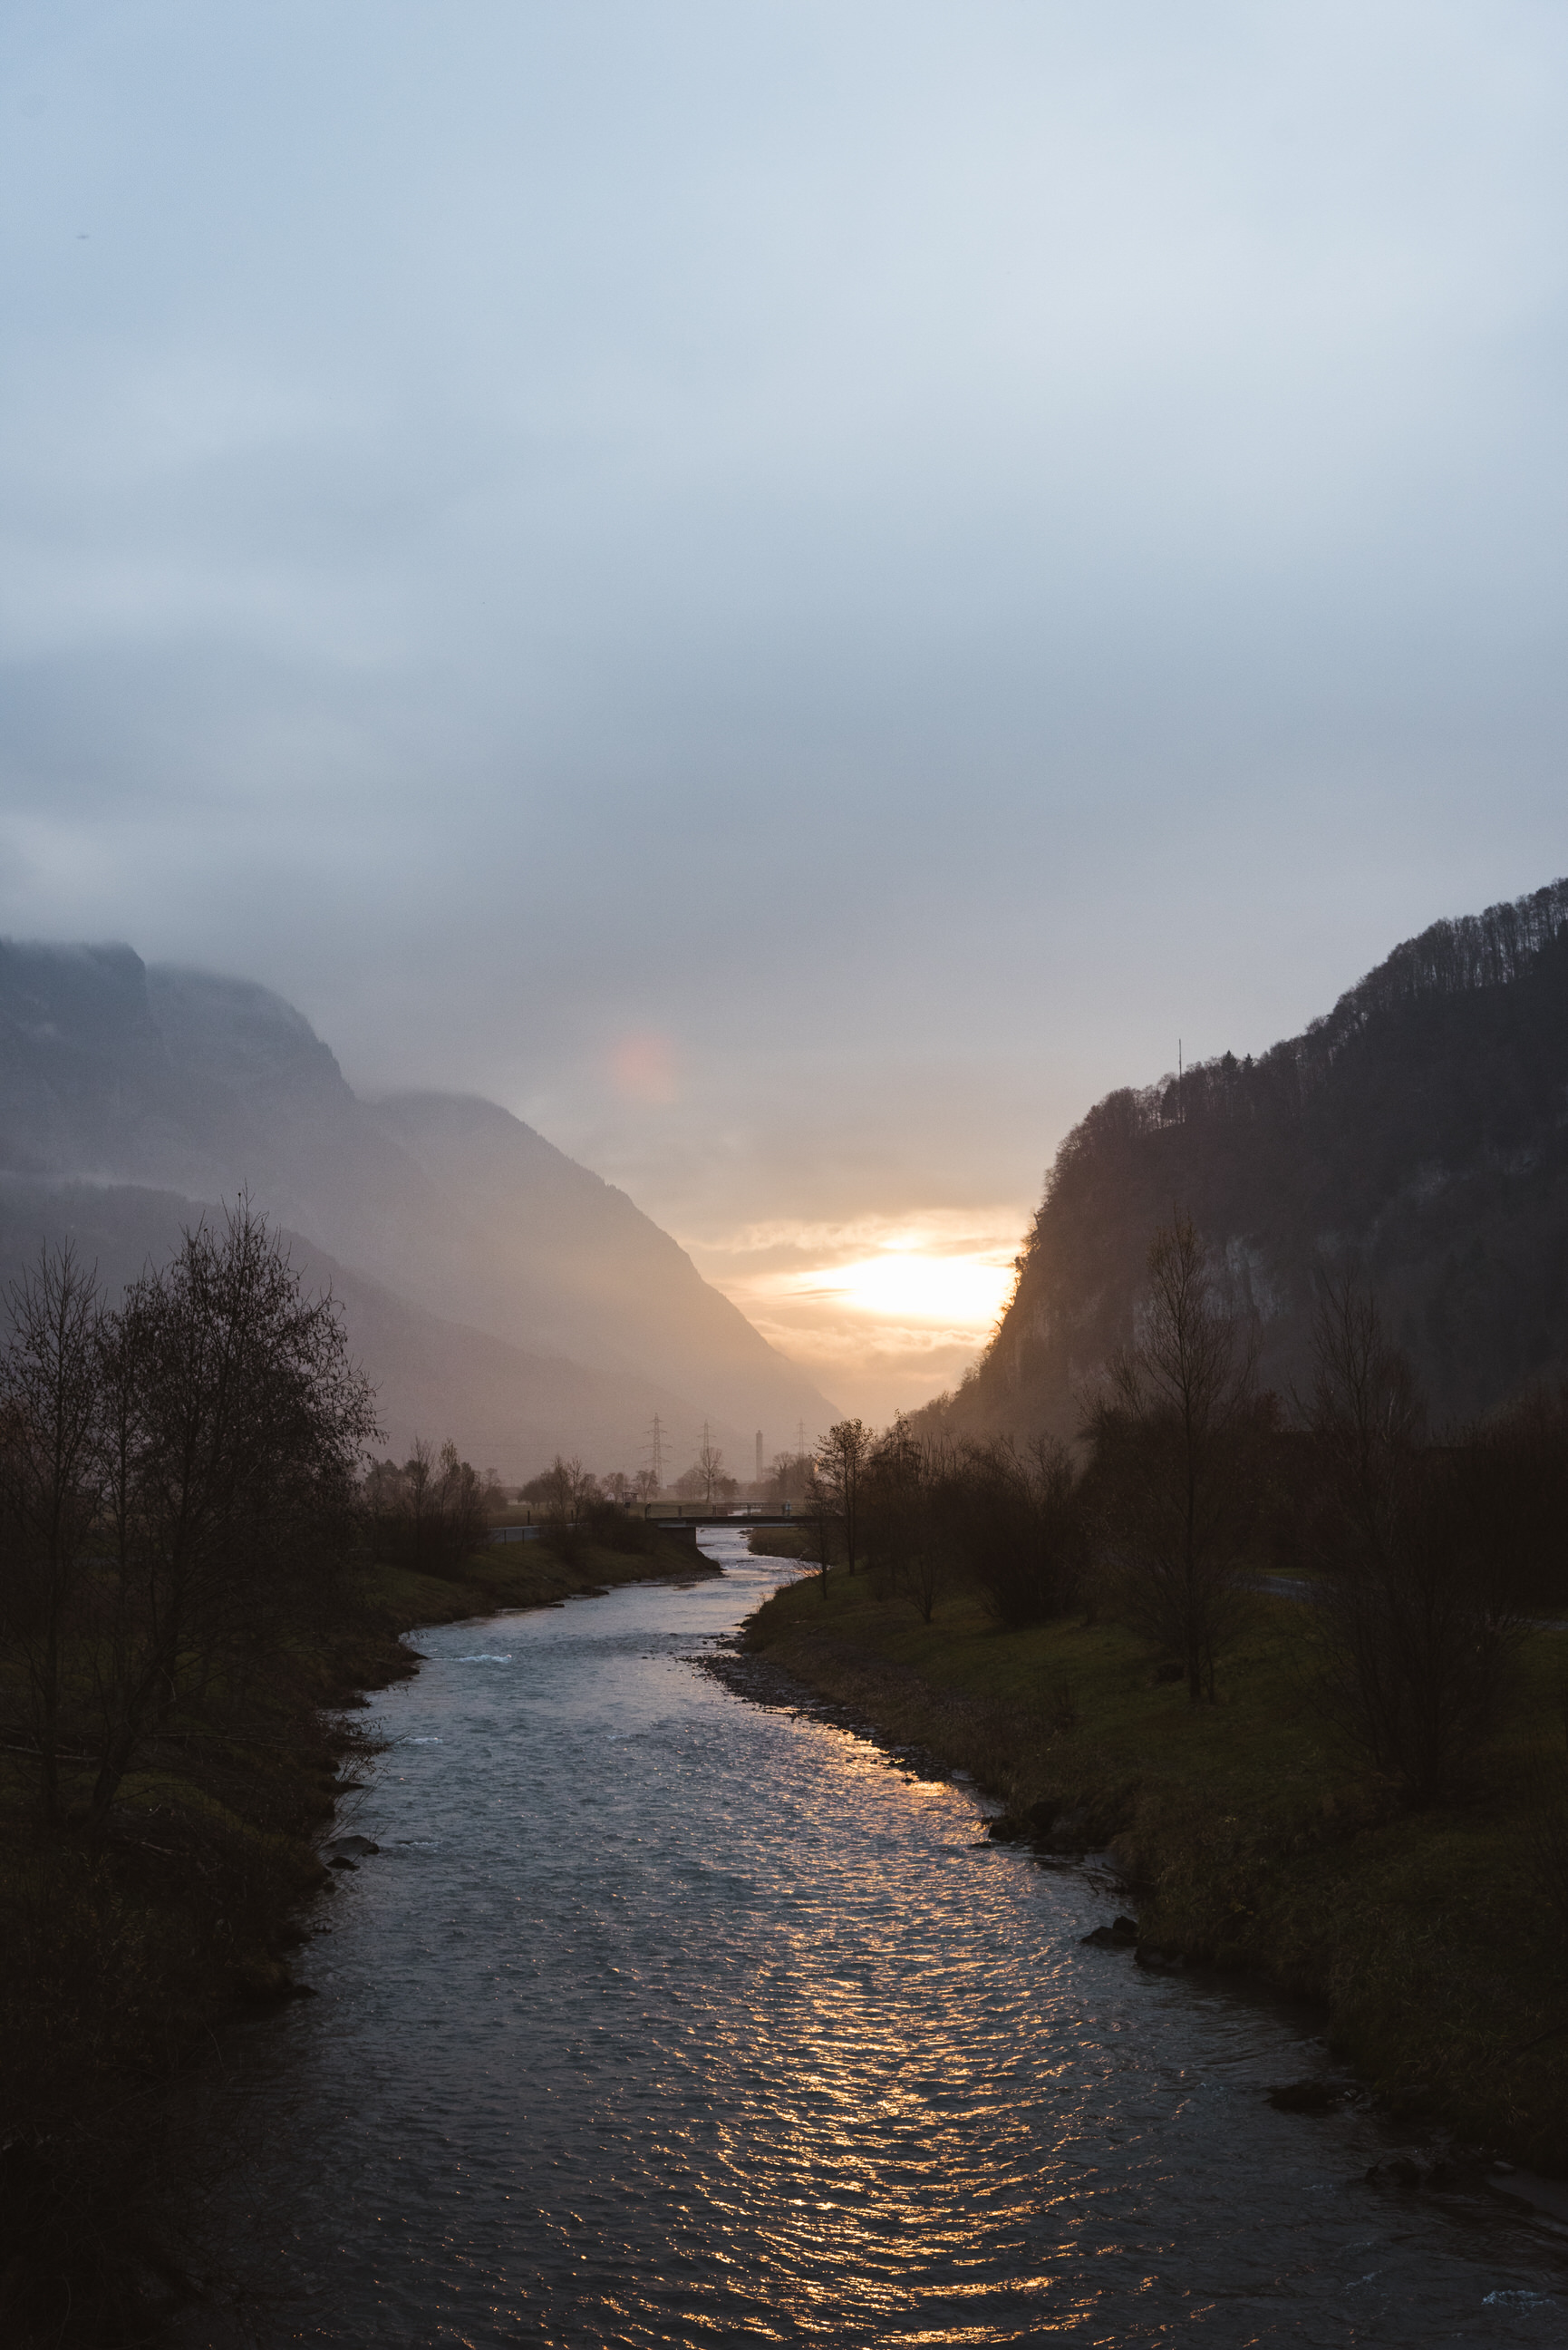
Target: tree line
[578, 1509]
[1466, 956]
[180, 1502]
[1415, 1559]
[430, 1511]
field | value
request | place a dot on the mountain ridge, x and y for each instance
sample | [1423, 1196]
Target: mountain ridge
[1417, 1131]
[171, 1080]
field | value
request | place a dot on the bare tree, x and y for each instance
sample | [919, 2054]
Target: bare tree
[908, 1532]
[788, 1479]
[418, 1484]
[841, 1465]
[464, 1500]
[51, 1479]
[710, 1466]
[434, 1510]
[236, 1425]
[1175, 1438]
[1416, 1622]
[1017, 1523]
[819, 1518]
[564, 1489]
[1367, 1421]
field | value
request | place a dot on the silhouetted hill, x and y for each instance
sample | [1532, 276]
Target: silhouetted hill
[185, 1083]
[1419, 1129]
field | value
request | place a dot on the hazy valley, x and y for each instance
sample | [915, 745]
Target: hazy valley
[496, 1291]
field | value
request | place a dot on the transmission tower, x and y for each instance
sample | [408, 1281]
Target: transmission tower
[656, 1451]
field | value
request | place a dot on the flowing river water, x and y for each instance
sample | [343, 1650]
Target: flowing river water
[661, 2017]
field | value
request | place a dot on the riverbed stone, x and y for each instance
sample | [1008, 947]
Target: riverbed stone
[1307, 2097]
[1121, 1934]
[1401, 2170]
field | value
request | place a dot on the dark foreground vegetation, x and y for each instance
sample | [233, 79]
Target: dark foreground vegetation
[1301, 1662]
[196, 1582]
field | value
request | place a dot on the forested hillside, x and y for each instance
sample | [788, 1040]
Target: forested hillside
[1418, 1130]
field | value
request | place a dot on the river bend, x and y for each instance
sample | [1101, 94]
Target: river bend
[662, 2018]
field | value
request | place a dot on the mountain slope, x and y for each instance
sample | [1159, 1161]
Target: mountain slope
[1420, 1130]
[199, 1085]
[573, 1260]
[506, 1407]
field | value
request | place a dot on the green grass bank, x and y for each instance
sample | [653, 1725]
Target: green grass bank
[1249, 1835]
[120, 1957]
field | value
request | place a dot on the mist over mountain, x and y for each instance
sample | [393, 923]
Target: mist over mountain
[495, 1288]
[1420, 1131]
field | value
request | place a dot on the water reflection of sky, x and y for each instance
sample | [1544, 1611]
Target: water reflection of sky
[664, 2019]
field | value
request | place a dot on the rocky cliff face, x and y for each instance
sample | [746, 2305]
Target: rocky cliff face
[1420, 1130]
[462, 1231]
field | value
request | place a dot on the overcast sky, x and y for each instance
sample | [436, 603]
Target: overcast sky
[794, 591]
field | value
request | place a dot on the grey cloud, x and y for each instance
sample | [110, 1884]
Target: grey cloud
[918, 552]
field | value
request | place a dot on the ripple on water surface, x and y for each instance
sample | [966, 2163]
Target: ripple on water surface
[662, 2018]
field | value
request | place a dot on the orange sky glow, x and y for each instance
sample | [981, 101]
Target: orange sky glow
[884, 1313]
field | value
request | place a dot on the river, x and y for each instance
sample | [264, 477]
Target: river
[665, 2018]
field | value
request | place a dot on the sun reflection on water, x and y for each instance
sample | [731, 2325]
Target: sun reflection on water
[663, 2020]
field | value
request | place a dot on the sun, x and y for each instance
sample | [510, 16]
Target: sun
[951, 1292]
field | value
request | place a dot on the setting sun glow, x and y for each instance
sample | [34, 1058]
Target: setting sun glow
[886, 1310]
[909, 1286]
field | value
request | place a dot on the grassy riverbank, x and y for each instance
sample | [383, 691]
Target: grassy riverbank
[1251, 1839]
[121, 1955]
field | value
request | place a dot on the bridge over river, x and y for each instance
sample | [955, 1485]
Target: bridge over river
[682, 1524]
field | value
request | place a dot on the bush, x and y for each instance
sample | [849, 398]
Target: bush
[616, 1530]
[432, 1514]
[1416, 1664]
[1008, 1524]
[1018, 1529]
